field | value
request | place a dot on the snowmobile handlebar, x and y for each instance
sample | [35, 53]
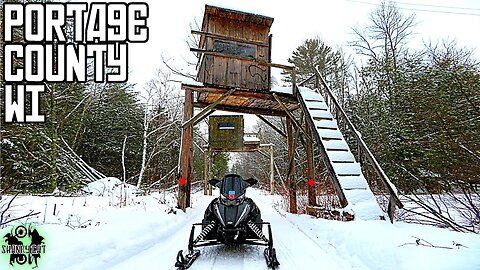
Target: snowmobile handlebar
[216, 183]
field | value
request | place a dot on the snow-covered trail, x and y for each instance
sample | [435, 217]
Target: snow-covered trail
[162, 254]
[295, 249]
[146, 235]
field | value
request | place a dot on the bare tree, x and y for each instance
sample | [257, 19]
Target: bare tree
[161, 116]
[388, 31]
[192, 41]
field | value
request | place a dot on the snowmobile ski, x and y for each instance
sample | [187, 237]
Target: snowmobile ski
[271, 257]
[184, 262]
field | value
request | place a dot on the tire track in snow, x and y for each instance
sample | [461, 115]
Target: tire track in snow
[163, 250]
[295, 248]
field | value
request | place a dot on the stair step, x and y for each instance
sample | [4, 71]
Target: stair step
[329, 128]
[353, 182]
[316, 104]
[316, 118]
[331, 138]
[355, 196]
[340, 155]
[347, 169]
[311, 95]
[338, 149]
[326, 124]
[320, 113]
[330, 133]
[348, 174]
[313, 100]
[317, 109]
[343, 161]
[336, 145]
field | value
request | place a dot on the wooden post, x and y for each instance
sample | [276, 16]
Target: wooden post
[210, 160]
[312, 200]
[269, 74]
[291, 182]
[294, 80]
[206, 166]
[359, 154]
[272, 184]
[185, 174]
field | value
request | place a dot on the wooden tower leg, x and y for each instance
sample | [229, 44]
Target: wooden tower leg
[185, 180]
[206, 171]
[210, 166]
[291, 182]
[272, 183]
[312, 201]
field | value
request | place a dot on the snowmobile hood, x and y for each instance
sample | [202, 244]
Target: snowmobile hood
[232, 216]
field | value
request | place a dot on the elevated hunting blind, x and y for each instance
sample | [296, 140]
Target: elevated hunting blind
[225, 132]
[234, 71]
[235, 47]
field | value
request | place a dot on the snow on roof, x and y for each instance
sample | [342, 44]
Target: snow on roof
[189, 81]
[306, 92]
[251, 139]
[282, 89]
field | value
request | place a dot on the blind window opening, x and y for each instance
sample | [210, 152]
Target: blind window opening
[246, 50]
[226, 126]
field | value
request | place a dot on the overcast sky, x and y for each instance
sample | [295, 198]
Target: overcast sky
[297, 20]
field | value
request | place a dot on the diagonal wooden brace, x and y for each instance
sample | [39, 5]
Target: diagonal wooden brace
[293, 118]
[207, 110]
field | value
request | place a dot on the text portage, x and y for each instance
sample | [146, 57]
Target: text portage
[55, 42]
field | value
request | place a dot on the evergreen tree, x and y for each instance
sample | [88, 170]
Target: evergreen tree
[114, 114]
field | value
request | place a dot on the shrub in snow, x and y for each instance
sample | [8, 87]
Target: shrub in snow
[120, 194]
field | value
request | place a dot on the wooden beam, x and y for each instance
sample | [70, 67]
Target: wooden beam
[312, 199]
[185, 168]
[241, 92]
[206, 111]
[272, 176]
[260, 62]
[244, 148]
[292, 117]
[302, 83]
[269, 60]
[247, 110]
[291, 182]
[206, 171]
[272, 126]
[222, 37]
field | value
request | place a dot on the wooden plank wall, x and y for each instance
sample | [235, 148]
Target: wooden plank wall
[229, 72]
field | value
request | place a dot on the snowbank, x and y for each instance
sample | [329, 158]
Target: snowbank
[90, 233]
[112, 188]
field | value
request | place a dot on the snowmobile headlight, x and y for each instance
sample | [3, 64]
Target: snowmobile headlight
[229, 202]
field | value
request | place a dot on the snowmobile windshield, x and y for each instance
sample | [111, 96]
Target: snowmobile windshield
[233, 187]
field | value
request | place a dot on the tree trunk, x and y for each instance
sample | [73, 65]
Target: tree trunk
[123, 160]
[53, 143]
[144, 148]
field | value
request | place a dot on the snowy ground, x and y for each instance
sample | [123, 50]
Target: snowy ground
[92, 233]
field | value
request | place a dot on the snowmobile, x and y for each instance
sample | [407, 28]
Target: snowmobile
[230, 219]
